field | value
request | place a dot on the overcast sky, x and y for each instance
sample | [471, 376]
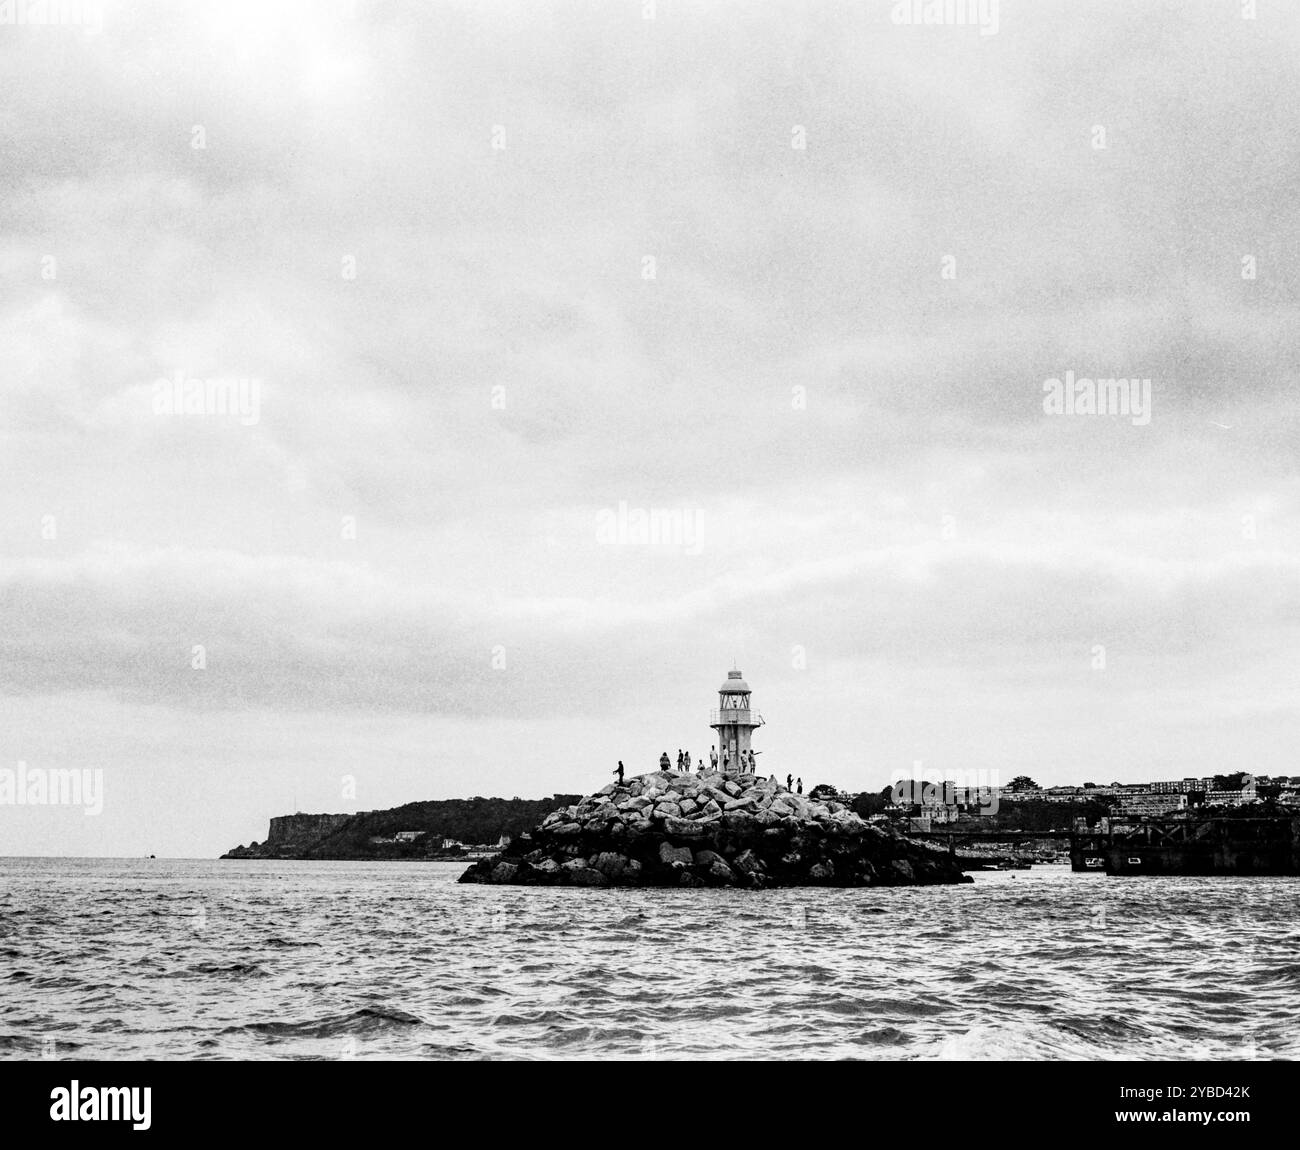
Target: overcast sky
[499, 269]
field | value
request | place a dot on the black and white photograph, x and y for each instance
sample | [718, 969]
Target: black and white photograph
[650, 531]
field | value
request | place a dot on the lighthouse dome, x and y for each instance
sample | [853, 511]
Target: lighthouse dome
[734, 685]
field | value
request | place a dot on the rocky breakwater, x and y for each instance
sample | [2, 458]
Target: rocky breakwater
[711, 829]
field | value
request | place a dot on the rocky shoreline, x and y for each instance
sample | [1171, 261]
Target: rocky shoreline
[711, 829]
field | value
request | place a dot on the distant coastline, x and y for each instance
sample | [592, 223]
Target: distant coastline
[435, 831]
[450, 830]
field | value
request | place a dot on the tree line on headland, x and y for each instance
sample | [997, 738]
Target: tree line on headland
[471, 822]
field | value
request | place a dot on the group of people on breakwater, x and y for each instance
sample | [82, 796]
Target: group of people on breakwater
[745, 760]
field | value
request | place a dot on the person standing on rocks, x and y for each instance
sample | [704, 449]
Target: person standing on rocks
[789, 782]
[713, 757]
[664, 764]
[619, 772]
[726, 758]
[688, 762]
[799, 791]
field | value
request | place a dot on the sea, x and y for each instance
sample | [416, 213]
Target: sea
[204, 959]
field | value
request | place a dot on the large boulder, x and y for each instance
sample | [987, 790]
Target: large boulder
[670, 855]
[719, 873]
[685, 828]
[610, 863]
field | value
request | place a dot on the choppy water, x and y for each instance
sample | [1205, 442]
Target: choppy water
[204, 959]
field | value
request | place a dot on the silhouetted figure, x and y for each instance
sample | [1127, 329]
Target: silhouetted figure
[618, 771]
[799, 788]
[664, 763]
[753, 766]
[789, 782]
[688, 762]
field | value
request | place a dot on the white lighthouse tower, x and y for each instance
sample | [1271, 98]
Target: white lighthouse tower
[734, 721]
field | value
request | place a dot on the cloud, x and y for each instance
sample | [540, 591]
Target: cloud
[862, 439]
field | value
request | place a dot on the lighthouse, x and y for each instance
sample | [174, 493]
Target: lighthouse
[734, 721]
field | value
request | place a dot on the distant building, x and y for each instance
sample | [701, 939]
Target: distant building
[937, 813]
[1241, 798]
[1151, 803]
[1046, 794]
[1061, 794]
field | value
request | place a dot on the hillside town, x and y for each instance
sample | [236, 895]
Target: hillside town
[927, 806]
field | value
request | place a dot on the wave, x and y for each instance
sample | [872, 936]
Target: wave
[238, 969]
[21, 1044]
[1013, 1043]
[366, 1020]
